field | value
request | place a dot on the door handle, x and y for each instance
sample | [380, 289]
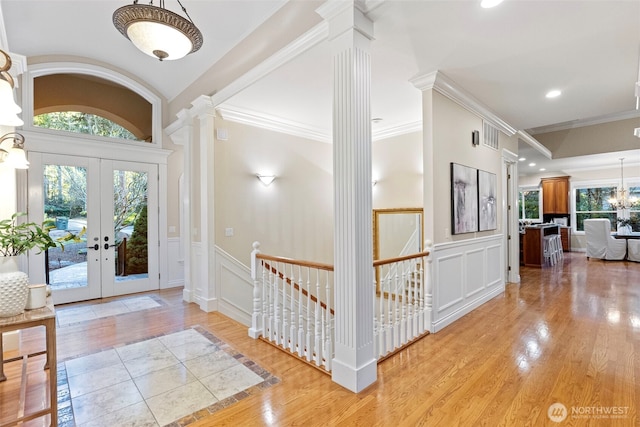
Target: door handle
[107, 246]
[94, 247]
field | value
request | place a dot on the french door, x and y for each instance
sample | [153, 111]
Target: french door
[105, 214]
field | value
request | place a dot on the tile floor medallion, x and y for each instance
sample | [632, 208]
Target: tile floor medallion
[169, 380]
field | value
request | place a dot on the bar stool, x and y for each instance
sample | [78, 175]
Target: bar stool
[549, 250]
[559, 249]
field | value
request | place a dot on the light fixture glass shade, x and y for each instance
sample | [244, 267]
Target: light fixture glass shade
[158, 32]
[8, 107]
[17, 158]
[266, 179]
[158, 40]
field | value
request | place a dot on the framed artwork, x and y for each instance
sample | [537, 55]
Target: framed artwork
[464, 199]
[488, 200]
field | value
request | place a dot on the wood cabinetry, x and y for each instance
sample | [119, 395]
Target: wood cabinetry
[533, 243]
[565, 236]
[555, 195]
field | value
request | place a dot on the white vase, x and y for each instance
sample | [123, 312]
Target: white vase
[624, 230]
[14, 288]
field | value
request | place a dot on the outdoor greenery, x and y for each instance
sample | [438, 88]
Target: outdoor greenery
[65, 191]
[594, 203]
[73, 121]
[529, 204]
[18, 238]
[137, 248]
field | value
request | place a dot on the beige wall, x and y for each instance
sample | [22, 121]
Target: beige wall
[293, 217]
[594, 139]
[397, 168]
[450, 138]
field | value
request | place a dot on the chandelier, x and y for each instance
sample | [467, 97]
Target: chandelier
[9, 110]
[158, 32]
[622, 201]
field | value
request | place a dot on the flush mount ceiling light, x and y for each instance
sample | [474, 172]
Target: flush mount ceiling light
[158, 32]
[9, 110]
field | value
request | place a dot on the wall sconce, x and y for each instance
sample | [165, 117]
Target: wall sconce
[266, 179]
[9, 110]
[12, 150]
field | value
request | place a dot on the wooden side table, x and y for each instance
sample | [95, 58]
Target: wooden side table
[45, 316]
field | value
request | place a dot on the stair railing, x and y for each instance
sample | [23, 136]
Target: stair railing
[292, 306]
[403, 301]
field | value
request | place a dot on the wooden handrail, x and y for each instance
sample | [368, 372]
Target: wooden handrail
[380, 262]
[302, 263]
[295, 285]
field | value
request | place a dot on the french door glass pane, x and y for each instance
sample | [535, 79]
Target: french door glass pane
[130, 224]
[65, 208]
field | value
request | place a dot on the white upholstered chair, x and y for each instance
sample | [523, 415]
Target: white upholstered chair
[600, 243]
[633, 248]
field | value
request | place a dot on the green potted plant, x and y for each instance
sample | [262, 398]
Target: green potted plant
[17, 239]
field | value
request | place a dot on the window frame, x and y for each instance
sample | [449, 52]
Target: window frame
[633, 182]
[521, 191]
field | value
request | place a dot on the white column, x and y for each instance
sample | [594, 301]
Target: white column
[204, 110]
[350, 33]
[182, 136]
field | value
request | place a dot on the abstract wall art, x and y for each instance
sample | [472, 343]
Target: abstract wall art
[464, 199]
[487, 199]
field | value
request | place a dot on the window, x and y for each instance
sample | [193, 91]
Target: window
[529, 204]
[634, 212]
[90, 124]
[593, 202]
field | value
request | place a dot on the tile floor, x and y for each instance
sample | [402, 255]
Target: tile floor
[71, 315]
[160, 381]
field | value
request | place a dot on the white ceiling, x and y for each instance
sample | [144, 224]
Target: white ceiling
[507, 57]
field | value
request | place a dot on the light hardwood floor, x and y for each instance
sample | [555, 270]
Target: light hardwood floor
[568, 334]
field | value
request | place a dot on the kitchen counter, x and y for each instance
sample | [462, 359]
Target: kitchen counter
[532, 243]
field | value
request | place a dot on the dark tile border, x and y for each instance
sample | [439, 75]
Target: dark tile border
[65, 410]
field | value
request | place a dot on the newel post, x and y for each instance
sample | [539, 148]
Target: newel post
[428, 276]
[256, 318]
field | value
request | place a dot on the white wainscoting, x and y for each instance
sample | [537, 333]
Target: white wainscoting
[176, 263]
[466, 274]
[234, 288]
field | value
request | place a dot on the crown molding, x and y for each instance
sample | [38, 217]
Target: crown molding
[447, 87]
[273, 123]
[289, 127]
[390, 132]
[524, 136]
[574, 124]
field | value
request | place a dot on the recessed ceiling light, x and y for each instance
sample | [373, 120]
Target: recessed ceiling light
[553, 93]
[542, 169]
[490, 3]
[522, 159]
[532, 164]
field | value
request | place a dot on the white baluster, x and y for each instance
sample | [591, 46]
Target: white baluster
[301, 338]
[318, 324]
[328, 341]
[310, 336]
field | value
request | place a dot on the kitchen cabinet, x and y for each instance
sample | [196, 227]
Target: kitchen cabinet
[555, 195]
